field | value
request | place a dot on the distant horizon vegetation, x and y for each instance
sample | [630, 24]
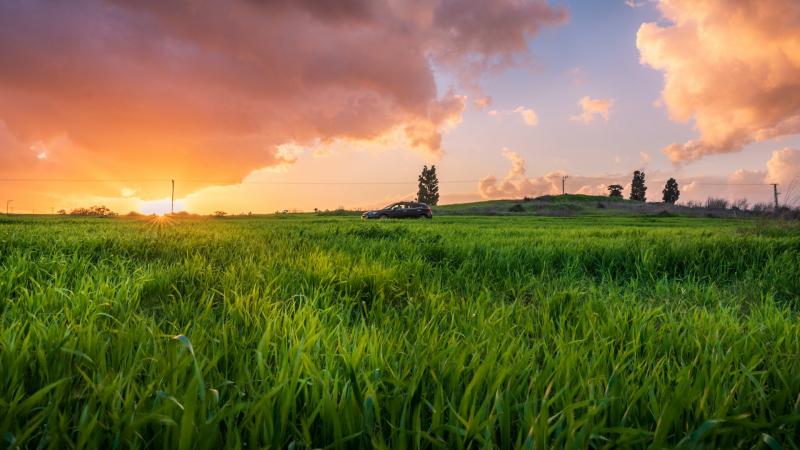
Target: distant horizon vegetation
[428, 192]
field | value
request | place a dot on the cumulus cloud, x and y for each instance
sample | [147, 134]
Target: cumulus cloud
[783, 166]
[743, 176]
[593, 107]
[732, 67]
[516, 184]
[210, 90]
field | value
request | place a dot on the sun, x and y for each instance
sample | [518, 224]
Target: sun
[159, 207]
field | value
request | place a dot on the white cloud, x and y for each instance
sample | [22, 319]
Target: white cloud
[634, 3]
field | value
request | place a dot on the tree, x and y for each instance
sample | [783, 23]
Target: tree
[615, 191]
[638, 189]
[671, 192]
[428, 186]
[94, 211]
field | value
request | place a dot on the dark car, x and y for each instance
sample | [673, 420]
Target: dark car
[401, 210]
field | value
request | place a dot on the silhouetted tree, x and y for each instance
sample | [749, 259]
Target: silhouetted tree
[638, 189]
[671, 192]
[220, 213]
[428, 186]
[615, 191]
[96, 211]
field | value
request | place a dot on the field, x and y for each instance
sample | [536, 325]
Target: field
[302, 331]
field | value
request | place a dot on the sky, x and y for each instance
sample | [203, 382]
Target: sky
[269, 105]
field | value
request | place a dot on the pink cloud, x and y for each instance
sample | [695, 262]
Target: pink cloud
[593, 107]
[731, 67]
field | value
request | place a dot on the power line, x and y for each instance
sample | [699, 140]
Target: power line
[177, 180]
[731, 184]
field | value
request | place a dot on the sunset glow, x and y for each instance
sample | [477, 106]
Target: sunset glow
[160, 206]
[265, 106]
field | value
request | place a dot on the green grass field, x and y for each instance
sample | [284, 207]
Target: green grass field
[460, 332]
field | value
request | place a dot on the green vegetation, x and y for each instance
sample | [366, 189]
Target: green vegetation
[461, 332]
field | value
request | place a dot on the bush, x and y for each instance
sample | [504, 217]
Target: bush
[93, 211]
[693, 204]
[716, 203]
[517, 208]
[762, 207]
[740, 205]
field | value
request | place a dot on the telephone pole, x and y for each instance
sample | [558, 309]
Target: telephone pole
[563, 179]
[775, 193]
[8, 202]
[172, 203]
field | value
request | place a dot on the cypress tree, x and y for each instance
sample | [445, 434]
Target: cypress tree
[638, 188]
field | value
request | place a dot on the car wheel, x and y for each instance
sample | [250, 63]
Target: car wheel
[383, 217]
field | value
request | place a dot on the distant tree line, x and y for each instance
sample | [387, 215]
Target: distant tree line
[670, 194]
[92, 211]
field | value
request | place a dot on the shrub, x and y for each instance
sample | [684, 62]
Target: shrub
[93, 211]
[740, 204]
[716, 203]
[762, 207]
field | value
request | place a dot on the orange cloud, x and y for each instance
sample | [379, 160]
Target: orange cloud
[592, 107]
[731, 66]
[482, 102]
[212, 90]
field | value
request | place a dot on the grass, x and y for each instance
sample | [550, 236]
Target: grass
[601, 206]
[461, 332]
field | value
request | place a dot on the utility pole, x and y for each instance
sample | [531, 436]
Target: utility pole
[172, 203]
[775, 193]
[563, 179]
[8, 202]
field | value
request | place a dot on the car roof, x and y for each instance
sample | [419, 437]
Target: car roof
[407, 203]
